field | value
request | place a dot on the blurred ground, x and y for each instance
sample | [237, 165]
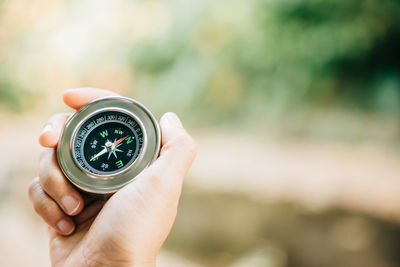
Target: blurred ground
[264, 178]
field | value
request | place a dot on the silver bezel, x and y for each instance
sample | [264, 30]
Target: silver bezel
[105, 184]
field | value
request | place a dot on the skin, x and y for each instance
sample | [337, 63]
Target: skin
[129, 228]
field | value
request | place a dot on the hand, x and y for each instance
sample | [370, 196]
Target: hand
[128, 229]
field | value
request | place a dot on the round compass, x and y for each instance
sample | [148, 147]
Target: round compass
[107, 143]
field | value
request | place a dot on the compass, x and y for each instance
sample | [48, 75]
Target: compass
[107, 143]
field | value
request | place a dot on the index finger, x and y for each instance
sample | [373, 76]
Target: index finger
[79, 97]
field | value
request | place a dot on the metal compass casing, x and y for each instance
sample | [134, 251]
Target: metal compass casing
[107, 143]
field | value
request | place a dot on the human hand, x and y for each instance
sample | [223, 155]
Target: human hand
[128, 229]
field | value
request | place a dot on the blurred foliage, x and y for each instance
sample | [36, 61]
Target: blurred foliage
[11, 95]
[209, 58]
[232, 230]
[228, 59]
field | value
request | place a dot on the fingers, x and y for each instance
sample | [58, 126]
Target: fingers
[49, 210]
[52, 130]
[177, 155]
[53, 197]
[56, 186]
[79, 97]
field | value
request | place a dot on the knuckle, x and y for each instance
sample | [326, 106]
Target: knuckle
[45, 158]
[192, 145]
[44, 207]
[39, 203]
[47, 180]
[182, 138]
[37, 207]
[34, 186]
[187, 143]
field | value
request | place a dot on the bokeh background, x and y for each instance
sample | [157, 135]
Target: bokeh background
[295, 105]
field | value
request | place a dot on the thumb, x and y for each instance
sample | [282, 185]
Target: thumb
[177, 154]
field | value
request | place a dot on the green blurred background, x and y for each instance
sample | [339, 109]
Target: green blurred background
[295, 105]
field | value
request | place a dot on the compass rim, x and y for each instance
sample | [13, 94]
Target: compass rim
[97, 184]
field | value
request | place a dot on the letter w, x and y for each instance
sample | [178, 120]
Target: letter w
[104, 133]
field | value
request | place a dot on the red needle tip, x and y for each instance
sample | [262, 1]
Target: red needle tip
[120, 140]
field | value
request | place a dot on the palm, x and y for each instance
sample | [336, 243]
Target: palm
[118, 231]
[62, 248]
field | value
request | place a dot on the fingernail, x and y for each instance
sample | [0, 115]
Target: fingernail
[47, 128]
[173, 119]
[65, 226]
[70, 204]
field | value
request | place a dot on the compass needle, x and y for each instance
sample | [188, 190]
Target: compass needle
[99, 154]
[116, 143]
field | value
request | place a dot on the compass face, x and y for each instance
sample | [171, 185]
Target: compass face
[107, 143]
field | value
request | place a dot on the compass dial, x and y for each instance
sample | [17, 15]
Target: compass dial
[108, 143]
